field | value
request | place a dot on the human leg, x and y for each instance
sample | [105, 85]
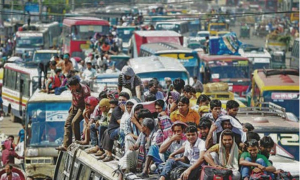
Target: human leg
[76, 123]
[93, 134]
[68, 128]
[245, 170]
[170, 164]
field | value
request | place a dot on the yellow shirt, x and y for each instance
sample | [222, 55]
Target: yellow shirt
[192, 116]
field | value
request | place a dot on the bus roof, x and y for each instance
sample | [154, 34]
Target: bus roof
[165, 47]
[46, 51]
[276, 81]
[29, 33]
[44, 97]
[155, 63]
[21, 68]
[172, 21]
[254, 54]
[158, 33]
[207, 57]
[70, 21]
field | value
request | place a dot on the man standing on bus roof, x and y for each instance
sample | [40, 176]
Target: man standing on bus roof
[79, 93]
[128, 79]
[65, 65]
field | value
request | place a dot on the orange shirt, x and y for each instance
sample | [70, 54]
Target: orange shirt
[192, 116]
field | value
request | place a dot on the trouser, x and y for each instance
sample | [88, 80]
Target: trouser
[108, 139]
[246, 170]
[96, 138]
[171, 164]
[42, 68]
[72, 125]
[236, 175]
[129, 141]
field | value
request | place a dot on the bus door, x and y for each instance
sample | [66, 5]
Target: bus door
[20, 84]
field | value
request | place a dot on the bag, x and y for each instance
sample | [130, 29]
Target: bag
[176, 172]
[212, 173]
[285, 176]
[259, 176]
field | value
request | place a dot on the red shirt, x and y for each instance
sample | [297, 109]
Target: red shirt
[56, 81]
[79, 97]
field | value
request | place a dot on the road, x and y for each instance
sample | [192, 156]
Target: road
[7, 127]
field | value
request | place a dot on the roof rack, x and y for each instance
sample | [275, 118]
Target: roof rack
[280, 71]
[265, 108]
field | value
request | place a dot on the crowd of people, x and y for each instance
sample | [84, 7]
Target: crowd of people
[160, 131]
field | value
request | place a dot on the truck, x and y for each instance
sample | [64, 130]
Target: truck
[143, 37]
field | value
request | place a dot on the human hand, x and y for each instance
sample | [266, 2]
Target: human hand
[213, 127]
[185, 175]
[261, 167]
[176, 137]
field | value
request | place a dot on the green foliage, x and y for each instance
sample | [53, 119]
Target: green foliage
[55, 6]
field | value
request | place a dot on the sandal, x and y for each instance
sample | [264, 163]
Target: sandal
[108, 158]
[92, 150]
[102, 157]
[99, 153]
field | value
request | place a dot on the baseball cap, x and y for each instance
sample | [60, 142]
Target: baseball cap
[91, 101]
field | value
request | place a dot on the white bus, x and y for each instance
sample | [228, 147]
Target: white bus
[258, 57]
[54, 32]
[19, 82]
[181, 27]
[32, 40]
[44, 123]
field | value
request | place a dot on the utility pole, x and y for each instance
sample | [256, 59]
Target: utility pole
[40, 10]
[1, 11]
[73, 5]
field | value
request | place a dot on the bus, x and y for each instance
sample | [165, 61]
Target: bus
[54, 33]
[258, 57]
[159, 67]
[271, 5]
[232, 69]
[77, 32]
[294, 63]
[181, 27]
[279, 86]
[188, 57]
[125, 33]
[45, 117]
[19, 83]
[213, 28]
[32, 40]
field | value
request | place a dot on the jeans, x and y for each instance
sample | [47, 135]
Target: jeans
[96, 140]
[114, 135]
[171, 164]
[246, 170]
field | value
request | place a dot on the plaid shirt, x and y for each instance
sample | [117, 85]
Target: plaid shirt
[79, 97]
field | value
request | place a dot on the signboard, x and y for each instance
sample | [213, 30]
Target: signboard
[285, 96]
[32, 7]
[54, 116]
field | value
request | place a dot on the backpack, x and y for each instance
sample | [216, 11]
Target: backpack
[260, 176]
[176, 172]
[212, 173]
[285, 176]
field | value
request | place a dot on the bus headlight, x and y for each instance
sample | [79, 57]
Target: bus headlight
[32, 152]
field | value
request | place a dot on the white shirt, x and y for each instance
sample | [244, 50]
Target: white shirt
[88, 74]
[193, 153]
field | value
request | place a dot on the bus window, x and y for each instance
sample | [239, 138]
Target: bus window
[67, 33]
[84, 173]
[26, 85]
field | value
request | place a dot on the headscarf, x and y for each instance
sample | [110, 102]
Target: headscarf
[236, 126]
[126, 115]
[232, 162]
[175, 95]
[128, 71]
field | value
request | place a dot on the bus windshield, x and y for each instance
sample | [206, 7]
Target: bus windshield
[168, 26]
[38, 57]
[84, 32]
[229, 69]
[161, 76]
[45, 123]
[29, 42]
[125, 34]
[218, 27]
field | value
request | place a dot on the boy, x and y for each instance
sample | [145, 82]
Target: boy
[54, 82]
[193, 153]
[204, 126]
[215, 108]
[252, 161]
[232, 108]
[266, 145]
